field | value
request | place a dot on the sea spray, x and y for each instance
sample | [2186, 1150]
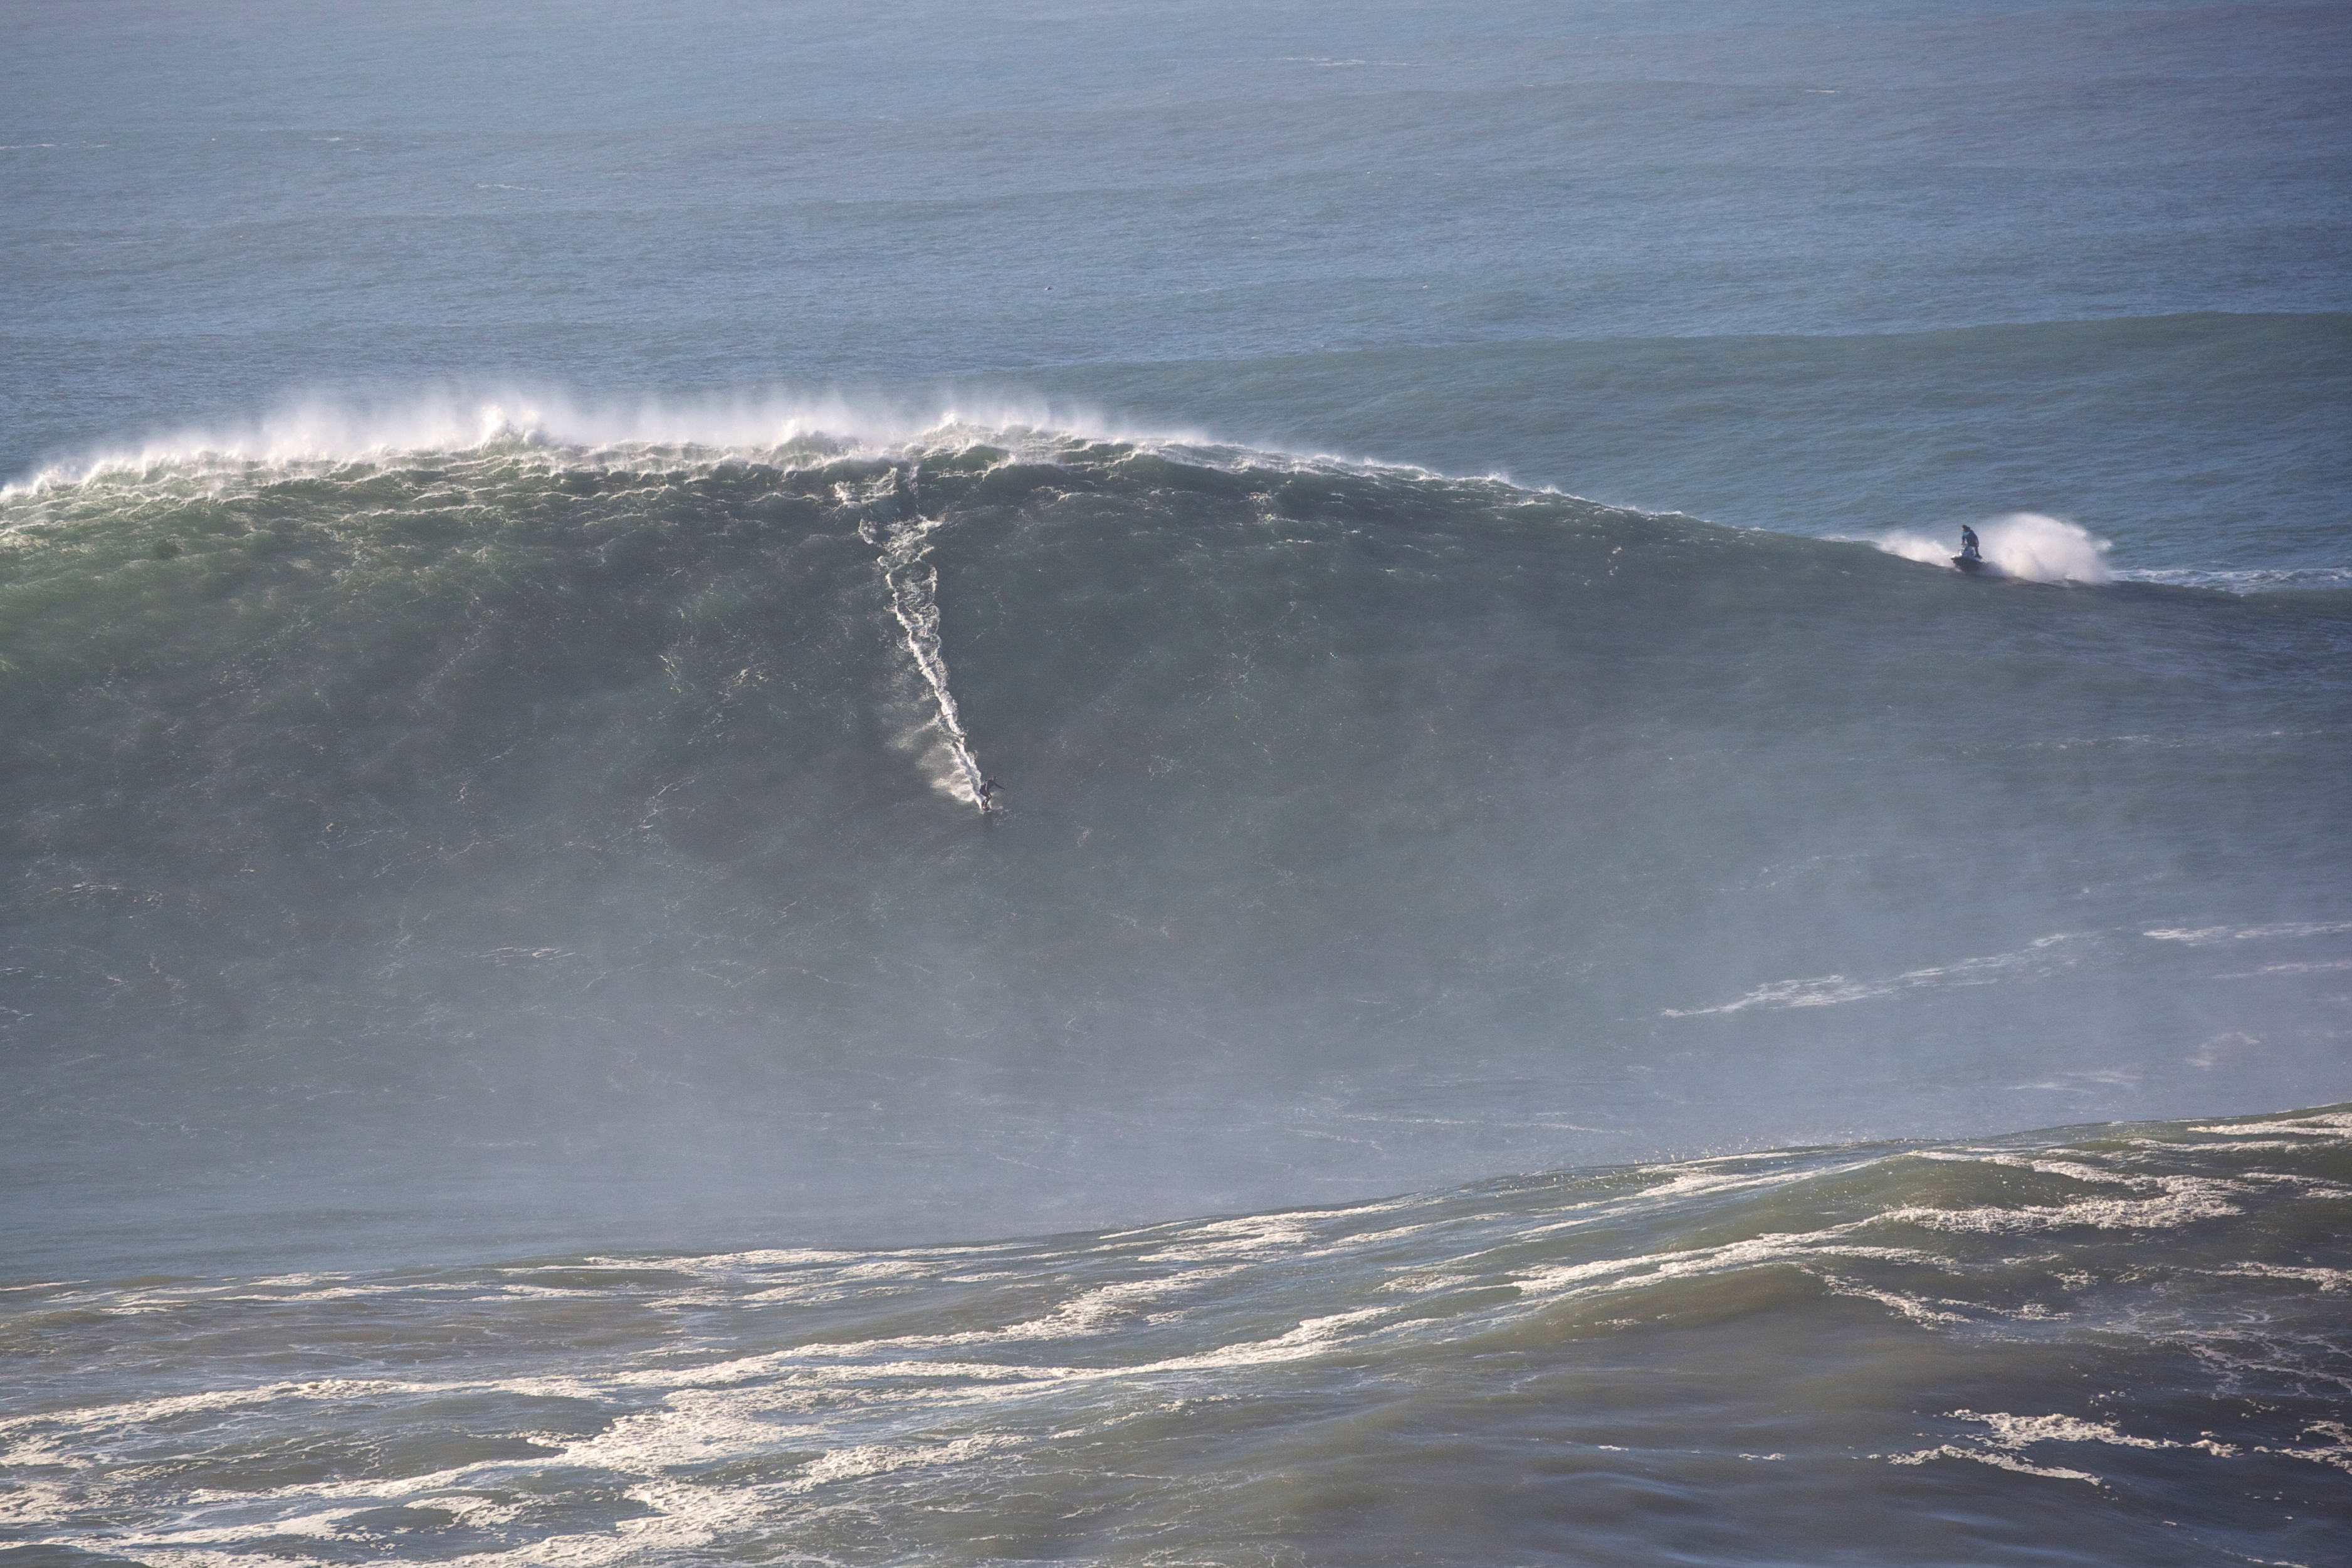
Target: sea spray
[327, 429]
[2025, 545]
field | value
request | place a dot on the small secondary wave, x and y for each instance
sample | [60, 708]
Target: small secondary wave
[1828, 990]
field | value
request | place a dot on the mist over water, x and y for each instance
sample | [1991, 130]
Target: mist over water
[792, 786]
[2022, 545]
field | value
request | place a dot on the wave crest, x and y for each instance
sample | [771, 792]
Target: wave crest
[326, 428]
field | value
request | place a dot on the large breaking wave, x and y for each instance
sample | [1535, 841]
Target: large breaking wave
[587, 800]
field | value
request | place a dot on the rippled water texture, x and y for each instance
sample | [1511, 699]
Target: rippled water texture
[2125, 1344]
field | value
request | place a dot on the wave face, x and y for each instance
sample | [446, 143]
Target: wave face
[597, 825]
[2125, 1344]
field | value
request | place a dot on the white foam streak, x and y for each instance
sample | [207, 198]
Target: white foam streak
[2176, 1201]
[913, 585]
[2007, 1438]
[2325, 1124]
[1829, 990]
[2245, 579]
[2207, 936]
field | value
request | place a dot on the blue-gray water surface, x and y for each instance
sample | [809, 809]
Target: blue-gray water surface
[664, 667]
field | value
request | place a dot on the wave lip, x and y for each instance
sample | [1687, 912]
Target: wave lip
[311, 429]
[329, 429]
[2025, 545]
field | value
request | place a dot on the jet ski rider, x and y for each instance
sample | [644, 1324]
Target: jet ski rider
[1969, 551]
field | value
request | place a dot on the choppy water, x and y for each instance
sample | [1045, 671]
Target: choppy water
[523, 531]
[2119, 1344]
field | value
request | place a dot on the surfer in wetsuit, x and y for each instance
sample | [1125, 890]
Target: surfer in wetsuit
[986, 791]
[1969, 544]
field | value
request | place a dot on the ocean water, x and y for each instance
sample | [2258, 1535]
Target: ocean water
[2118, 1345]
[1198, 785]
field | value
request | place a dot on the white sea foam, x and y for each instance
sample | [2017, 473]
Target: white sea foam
[2206, 936]
[2173, 1202]
[2326, 1124]
[823, 1421]
[2016, 1431]
[1912, 1307]
[1819, 992]
[1691, 1178]
[1645, 1269]
[2007, 1438]
[2074, 1170]
[2020, 544]
[2328, 1280]
[1251, 1236]
[1311, 1338]
[879, 1458]
[138, 1412]
[1829, 990]
[2244, 580]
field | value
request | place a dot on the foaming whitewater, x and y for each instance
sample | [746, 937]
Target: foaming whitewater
[2022, 545]
[321, 429]
[2115, 1344]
